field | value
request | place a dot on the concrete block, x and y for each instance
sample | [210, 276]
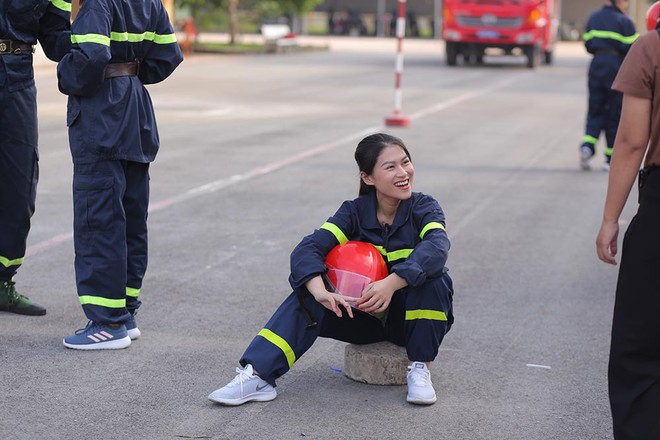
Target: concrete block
[382, 363]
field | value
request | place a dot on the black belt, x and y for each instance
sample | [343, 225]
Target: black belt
[122, 69]
[607, 52]
[11, 47]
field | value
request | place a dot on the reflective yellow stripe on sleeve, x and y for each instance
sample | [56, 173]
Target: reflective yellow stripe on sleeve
[61, 4]
[104, 302]
[280, 343]
[339, 235]
[609, 35]
[7, 262]
[90, 38]
[130, 291]
[434, 315]
[429, 226]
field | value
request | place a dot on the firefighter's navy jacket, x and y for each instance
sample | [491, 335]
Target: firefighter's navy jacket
[609, 29]
[113, 119]
[26, 22]
[415, 246]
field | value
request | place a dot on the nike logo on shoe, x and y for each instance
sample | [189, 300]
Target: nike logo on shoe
[261, 388]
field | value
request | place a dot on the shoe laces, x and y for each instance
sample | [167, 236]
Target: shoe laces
[419, 376]
[90, 324]
[13, 296]
[244, 375]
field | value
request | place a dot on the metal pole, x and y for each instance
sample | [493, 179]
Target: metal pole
[397, 118]
[380, 17]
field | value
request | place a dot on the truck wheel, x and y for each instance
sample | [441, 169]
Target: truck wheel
[452, 53]
[547, 57]
[533, 54]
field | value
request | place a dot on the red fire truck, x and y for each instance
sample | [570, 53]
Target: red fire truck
[519, 27]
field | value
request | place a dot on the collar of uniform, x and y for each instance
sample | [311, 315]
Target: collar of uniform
[368, 210]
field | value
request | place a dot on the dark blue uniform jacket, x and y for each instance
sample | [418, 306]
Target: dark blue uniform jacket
[415, 246]
[609, 29]
[113, 119]
[27, 21]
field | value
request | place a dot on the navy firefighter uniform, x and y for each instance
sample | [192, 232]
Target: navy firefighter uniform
[22, 24]
[118, 46]
[415, 247]
[608, 36]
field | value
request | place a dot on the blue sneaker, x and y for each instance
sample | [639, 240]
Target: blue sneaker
[98, 337]
[132, 328]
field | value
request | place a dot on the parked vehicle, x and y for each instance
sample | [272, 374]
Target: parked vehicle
[519, 27]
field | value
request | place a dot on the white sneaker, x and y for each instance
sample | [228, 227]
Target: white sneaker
[246, 386]
[606, 166]
[585, 156]
[420, 388]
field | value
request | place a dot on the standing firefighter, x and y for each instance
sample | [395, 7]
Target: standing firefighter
[608, 37]
[118, 46]
[22, 23]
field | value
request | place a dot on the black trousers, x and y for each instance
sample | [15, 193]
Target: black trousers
[634, 367]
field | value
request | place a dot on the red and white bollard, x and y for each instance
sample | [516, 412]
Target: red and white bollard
[397, 118]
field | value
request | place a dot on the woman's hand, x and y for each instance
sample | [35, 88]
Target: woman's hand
[377, 296]
[606, 246]
[329, 300]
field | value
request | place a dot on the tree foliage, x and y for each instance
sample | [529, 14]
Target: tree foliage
[298, 7]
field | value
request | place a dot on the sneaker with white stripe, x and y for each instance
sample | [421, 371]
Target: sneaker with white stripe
[97, 336]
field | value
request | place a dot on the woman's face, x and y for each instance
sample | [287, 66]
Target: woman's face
[393, 174]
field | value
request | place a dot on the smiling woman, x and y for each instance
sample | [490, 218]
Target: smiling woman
[411, 306]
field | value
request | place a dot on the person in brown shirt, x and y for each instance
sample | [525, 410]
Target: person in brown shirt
[634, 364]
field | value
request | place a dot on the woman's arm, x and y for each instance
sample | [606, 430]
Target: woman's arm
[329, 300]
[629, 148]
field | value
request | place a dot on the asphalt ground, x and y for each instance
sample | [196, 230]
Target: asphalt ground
[256, 153]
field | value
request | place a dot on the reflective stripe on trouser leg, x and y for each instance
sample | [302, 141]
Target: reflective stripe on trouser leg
[19, 173]
[284, 338]
[136, 204]
[288, 334]
[428, 317]
[100, 240]
[615, 100]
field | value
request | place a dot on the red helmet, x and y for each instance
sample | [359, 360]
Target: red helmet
[353, 265]
[652, 16]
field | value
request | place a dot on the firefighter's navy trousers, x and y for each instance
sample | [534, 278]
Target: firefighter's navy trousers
[110, 201]
[418, 318]
[19, 172]
[634, 369]
[604, 103]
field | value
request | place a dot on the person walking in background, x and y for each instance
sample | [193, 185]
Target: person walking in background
[409, 229]
[634, 365]
[118, 46]
[22, 24]
[608, 36]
